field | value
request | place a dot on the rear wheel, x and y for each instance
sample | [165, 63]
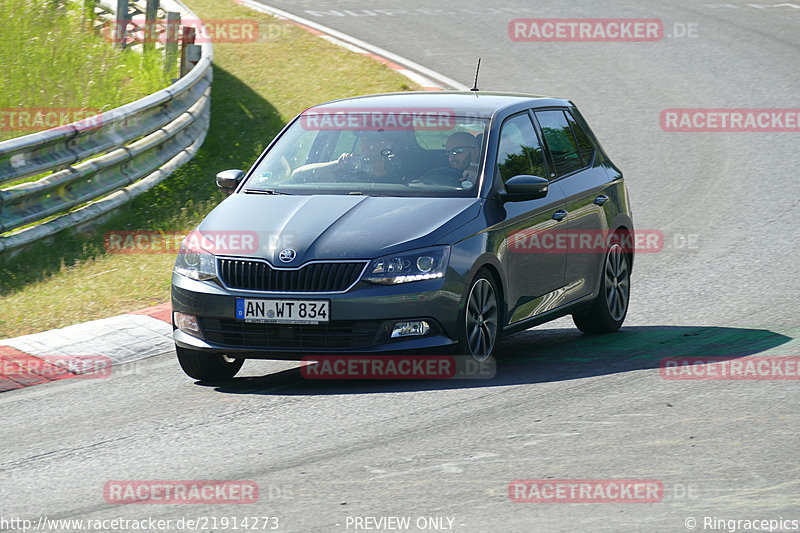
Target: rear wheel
[480, 321]
[206, 366]
[607, 312]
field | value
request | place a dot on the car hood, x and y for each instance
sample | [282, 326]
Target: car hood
[331, 226]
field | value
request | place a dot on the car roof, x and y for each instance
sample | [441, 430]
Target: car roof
[469, 103]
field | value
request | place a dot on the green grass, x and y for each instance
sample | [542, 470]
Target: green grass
[50, 59]
[257, 88]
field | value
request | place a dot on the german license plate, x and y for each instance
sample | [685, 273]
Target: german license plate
[283, 311]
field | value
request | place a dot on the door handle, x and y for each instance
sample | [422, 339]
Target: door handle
[600, 200]
[560, 215]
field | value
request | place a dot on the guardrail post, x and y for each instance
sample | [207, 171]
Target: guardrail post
[190, 52]
[121, 24]
[173, 36]
[89, 15]
[150, 13]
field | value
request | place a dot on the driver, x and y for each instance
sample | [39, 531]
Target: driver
[462, 154]
[371, 156]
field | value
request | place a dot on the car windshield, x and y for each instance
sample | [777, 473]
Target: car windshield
[374, 153]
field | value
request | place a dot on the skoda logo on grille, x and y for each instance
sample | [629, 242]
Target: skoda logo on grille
[287, 255]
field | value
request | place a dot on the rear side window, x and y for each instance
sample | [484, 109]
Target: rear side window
[519, 151]
[584, 144]
[560, 141]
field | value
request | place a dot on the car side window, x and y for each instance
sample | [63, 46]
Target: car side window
[584, 144]
[560, 141]
[519, 150]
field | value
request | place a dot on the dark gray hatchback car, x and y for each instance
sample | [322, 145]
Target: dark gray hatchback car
[409, 221]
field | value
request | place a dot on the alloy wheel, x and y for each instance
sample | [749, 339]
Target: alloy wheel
[481, 319]
[617, 282]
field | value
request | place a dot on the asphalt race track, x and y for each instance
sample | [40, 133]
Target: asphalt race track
[563, 406]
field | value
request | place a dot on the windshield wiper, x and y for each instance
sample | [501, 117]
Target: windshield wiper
[262, 191]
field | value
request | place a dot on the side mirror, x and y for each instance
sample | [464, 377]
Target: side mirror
[228, 180]
[525, 187]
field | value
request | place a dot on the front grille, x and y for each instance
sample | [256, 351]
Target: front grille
[339, 334]
[253, 275]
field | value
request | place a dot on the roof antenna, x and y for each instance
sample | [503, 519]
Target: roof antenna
[477, 70]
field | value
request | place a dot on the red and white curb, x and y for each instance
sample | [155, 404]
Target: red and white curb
[422, 76]
[49, 356]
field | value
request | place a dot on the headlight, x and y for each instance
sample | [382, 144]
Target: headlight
[193, 261]
[411, 266]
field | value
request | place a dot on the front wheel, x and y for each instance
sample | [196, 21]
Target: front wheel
[607, 312]
[206, 366]
[480, 321]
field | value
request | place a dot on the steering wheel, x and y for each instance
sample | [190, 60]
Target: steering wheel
[441, 176]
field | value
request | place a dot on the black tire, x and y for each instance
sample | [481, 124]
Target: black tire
[607, 312]
[480, 322]
[206, 366]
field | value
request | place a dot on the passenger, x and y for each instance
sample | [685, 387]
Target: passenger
[462, 154]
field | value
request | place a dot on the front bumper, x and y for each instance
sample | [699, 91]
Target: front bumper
[361, 320]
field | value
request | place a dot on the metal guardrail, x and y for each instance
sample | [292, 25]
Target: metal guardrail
[97, 168]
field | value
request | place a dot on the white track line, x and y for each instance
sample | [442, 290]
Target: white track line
[417, 73]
